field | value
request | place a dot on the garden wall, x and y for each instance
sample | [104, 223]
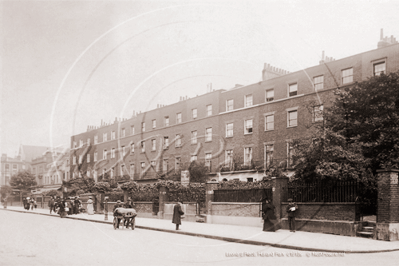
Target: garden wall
[189, 209]
[240, 213]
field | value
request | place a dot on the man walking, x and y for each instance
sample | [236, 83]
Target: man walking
[51, 204]
[291, 210]
[177, 213]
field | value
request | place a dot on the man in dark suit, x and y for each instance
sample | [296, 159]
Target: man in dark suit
[291, 210]
[177, 213]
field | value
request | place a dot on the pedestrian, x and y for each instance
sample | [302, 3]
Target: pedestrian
[70, 206]
[90, 208]
[77, 204]
[177, 213]
[116, 213]
[268, 215]
[62, 208]
[51, 204]
[24, 202]
[128, 205]
[32, 203]
[35, 203]
[291, 210]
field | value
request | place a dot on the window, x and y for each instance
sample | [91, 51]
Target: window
[104, 172]
[142, 166]
[113, 135]
[379, 68]
[88, 158]
[131, 170]
[112, 172]
[269, 122]
[123, 151]
[178, 141]
[317, 113]
[123, 169]
[154, 124]
[165, 165]
[292, 118]
[142, 144]
[165, 142]
[153, 144]
[228, 158]
[113, 153]
[73, 161]
[153, 163]
[247, 155]
[178, 118]
[208, 160]
[14, 168]
[95, 139]
[269, 148]
[74, 145]
[131, 130]
[177, 164]
[88, 142]
[208, 134]
[194, 113]
[105, 154]
[132, 147]
[193, 158]
[209, 110]
[270, 95]
[81, 143]
[142, 126]
[318, 83]
[248, 100]
[104, 137]
[290, 153]
[248, 126]
[80, 159]
[123, 132]
[166, 121]
[229, 130]
[347, 75]
[293, 89]
[230, 105]
[194, 137]
[95, 157]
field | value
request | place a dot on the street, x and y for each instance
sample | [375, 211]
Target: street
[31, 239]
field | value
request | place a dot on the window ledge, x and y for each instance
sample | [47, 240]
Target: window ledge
[267, 130]
[229, 137]
[292, 126]
[248, 133]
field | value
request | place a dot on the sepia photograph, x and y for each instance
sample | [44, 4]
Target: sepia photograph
[199, 132]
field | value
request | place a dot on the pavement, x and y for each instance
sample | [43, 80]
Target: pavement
[299, 240]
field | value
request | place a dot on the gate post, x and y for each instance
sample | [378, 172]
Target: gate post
[210, 186]
[280, 195]
[387, 227]
[163, 197]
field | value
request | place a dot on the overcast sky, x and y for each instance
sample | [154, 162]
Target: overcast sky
[69, 64]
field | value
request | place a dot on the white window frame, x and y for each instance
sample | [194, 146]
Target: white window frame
[95, 156]
[209, 110]
[104, 154]
[73, 161]
[317, 113]
[113, 135]
[131, 130]
[248, 126]
[142, 145]
[194, 113]
[113, 153]
[154, 124]
[248, 159]
[229, 130]
[229, 105]
[96, 139]
[88, 157]
[290, 122]
[178, 118]
[88, 142]
[132, 147]
[194, 135]
[123, 151]
[379, 72]
[248, 100]
[123, 132]
[178, 141]
[165, 165]
[347, 75]
[166, 142]
[105, 137]
[292, 89]
[166, 121]
[269, 95]
[208, 134]
[228, 157]
[193, 158]
[269, 153]
[290, 153]
[142, 126]
[153, 144]
[269, 122]
[81, 143]
[318, 83]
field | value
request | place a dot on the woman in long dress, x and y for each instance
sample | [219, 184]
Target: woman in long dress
[90, 208]
[268, 215]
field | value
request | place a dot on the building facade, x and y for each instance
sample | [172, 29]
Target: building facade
[245, 128]
[11, 166]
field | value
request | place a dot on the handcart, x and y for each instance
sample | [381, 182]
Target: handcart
[127, 216]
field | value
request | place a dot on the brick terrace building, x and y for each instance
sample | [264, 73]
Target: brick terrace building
[247, 126]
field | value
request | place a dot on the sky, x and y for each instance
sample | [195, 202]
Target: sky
[69, 64]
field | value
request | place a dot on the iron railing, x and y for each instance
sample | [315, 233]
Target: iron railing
[242, 195]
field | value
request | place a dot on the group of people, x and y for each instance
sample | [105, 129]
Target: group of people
[69, 206]
[29, 203]
[268, 215]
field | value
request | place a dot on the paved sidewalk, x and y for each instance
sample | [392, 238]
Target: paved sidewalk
[248, 235]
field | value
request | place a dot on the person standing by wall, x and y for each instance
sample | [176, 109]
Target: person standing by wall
[177, 213]
[291, 209]
[90, 207]
[268, 215]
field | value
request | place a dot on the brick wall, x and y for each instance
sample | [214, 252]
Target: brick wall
[324, 211]
[235, 209]
[143, 207]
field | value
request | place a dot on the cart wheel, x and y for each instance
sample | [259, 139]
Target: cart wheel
[133, 223]
[115, 222]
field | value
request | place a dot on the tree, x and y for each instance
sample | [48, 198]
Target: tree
[23, 180]
[198, 172]
[359, 134]
[5, 191]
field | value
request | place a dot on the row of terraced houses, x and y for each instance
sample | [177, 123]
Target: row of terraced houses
[238, 133]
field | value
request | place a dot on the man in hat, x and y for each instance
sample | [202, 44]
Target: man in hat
[291, 210]
[177, 213]
[76, 205]
[116, 213]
